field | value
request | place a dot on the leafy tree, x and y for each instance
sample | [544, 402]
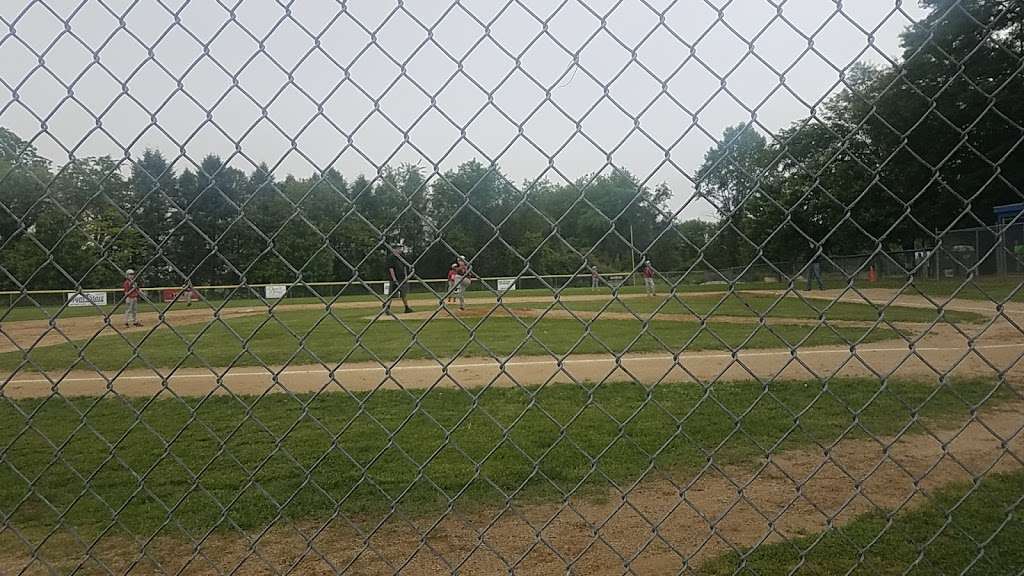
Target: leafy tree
[153, 185]
[734, 171]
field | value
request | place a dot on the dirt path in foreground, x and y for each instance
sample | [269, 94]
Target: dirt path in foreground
[660, 526]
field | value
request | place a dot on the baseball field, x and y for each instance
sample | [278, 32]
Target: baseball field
[691, 425]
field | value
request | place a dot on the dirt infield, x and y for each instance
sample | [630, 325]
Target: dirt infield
[988, 350]
[24, 334]
[660, 526]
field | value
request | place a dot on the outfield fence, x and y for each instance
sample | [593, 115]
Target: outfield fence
[638, 427]
[967, 254]
[329, 291]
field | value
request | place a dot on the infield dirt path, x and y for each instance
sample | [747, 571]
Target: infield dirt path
[24, 334]
[964, 350]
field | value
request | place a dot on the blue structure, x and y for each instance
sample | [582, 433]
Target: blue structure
[1007, 212]
[1010, 225]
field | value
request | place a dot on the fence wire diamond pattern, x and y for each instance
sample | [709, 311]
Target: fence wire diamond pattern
[230, 345]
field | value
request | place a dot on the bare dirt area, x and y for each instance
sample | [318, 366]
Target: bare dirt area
[662, 525]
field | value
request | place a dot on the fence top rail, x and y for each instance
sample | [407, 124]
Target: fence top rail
[311, 284]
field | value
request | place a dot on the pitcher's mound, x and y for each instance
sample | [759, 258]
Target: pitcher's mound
[450, 312]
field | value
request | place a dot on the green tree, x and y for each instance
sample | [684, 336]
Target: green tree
[734, 171]
[152, 187]
[465, 206]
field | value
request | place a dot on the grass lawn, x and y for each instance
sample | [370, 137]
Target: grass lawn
[980, 535]
[752, 306]
[250, 458]
[349, 336]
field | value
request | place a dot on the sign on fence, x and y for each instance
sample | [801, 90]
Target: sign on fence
[506, 284]
[76, 299]
[275, 291]
[387, 288]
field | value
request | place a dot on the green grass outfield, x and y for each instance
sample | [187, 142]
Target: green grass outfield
[979, 534]
[306, 336]
[310, 456]
[753, 306]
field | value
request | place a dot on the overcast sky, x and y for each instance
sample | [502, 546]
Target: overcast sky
[639, 79]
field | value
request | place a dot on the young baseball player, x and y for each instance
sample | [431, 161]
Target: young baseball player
[451, 282]
[463, 278]
[648, 273]
[132, 291]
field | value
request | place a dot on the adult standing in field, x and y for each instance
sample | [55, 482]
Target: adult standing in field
[648, 273]
[397, 273]
[463, 278]
[814, 270]
[595, 278]
[132, 288]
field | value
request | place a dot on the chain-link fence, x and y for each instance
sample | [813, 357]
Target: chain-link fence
[584, 287]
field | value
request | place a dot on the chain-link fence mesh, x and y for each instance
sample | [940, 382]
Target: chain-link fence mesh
[633, 287]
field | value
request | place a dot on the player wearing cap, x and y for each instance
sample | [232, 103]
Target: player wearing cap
[463, 278]
[648, 273]
[452, 271]
[398, 276]
[132, 290]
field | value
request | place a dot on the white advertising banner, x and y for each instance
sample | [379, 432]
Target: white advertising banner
[506, 284]
[76, 299]
[275, 291]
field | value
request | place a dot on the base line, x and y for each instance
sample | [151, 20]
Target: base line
[496, 364]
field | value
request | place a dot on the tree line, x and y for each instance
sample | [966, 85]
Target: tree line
[894, 158]
[900, 155]
[87, 221]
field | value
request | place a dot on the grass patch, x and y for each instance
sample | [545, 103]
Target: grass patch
[953, 533]
[250, 457]
[304, 336]
[753, 306]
